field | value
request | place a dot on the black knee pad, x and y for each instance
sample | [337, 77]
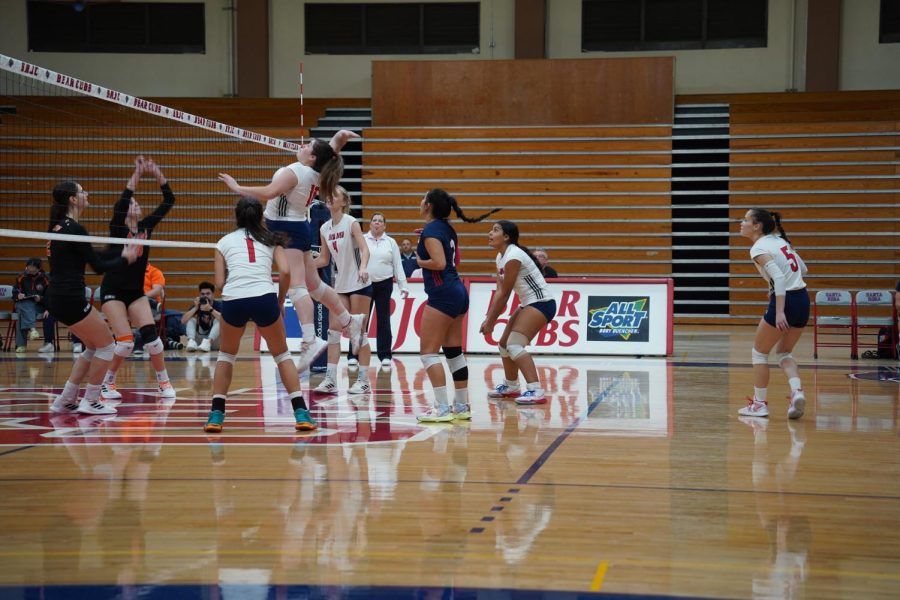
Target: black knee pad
[149, 334]
[457, 363]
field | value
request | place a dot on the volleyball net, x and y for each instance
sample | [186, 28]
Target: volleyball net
[55, 127]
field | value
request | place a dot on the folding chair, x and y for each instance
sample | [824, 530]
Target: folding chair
[834, 325]
[10, 317]
[875, 309]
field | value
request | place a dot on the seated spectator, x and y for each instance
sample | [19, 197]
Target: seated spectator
[28, 295]
[543, 258]
[408, 258]
[201, 321]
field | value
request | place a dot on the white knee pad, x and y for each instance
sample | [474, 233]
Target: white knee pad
[88, 354]
[154, 347]
[124, 348]
[758, 358]
[225, 357]
[430, 359]
[297, 292]
[780, 358]
[283, 357]
[456, 363]
[515, 344]
[503, 351]
[334, 336]
[106, 352]
[318, 292]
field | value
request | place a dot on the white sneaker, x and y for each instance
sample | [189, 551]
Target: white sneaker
[755, 408]
[327, 386]
[63, 406]
[532, 397]
[95, 408]
[191, 346]
[48, 347]
[34, 334]
[505, 391]
[310, 352]
[386, 364]
[77, 348]
[798, 403]
[355, 331]
[108, 391]
[204, 345]
[353, 363]
[166, 390]
[360, 387]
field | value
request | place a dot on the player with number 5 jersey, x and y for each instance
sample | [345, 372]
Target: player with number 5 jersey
[787, 314]
[243, 266]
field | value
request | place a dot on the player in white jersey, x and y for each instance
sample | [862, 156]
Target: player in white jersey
[517, 270]
[344, 246]
[243, 267]
[788, 310]
[293, 188]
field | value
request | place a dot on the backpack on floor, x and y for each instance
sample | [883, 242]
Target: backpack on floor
[885, 342]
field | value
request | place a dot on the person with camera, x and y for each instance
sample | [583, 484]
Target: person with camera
[28, 294]
[201, 321]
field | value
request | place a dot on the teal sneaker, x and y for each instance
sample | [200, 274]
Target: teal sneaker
[214, 422]
[304, 422]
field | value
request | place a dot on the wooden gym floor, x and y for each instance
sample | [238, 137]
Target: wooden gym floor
[637, 479]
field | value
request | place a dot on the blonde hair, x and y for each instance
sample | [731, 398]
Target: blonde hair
[340, 192]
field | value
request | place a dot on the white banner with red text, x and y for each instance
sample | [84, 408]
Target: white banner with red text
[631, 317]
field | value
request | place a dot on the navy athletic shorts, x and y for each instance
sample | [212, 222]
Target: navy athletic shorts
[796, 308]
[262, 310]
[298, 232]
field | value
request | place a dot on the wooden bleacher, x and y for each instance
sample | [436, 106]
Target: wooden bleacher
[598, 198]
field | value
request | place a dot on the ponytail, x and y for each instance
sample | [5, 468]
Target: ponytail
[441, 203]
[248, 216]
[330, 167]
[60, 207]
[511, 230]
[770, 221]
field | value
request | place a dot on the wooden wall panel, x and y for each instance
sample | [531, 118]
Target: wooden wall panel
[523, 92]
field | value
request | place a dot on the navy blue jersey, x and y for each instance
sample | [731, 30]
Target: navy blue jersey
[441, 230]
[132, 276]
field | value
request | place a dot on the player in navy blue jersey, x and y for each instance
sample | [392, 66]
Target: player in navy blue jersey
[122, 297]
[67, 302]
[448, 302]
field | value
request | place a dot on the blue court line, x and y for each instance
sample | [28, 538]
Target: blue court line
[546, 454]
[17, 450]
[297, 591]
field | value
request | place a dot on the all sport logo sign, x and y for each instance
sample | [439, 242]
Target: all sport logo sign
[618, 318]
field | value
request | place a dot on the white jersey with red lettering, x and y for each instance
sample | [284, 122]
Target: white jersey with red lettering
[530, 285]
[249, 265]
[786, 259]
[345, 256]
[294, 206]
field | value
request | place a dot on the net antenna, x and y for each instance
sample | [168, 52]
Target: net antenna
[55, 127]
[302, 127]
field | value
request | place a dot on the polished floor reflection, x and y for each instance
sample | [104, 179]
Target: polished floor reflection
[637, 479]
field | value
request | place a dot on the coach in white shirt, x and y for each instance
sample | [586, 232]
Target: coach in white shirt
[384, 265]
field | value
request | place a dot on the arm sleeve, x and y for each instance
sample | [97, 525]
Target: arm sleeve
[120, 211]
[100, 264]
[167, 203]
[803, 269]
[776, 277]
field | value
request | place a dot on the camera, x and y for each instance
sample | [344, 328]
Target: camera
[204, 301]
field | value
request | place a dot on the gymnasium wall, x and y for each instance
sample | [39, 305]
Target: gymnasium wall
[864, 63]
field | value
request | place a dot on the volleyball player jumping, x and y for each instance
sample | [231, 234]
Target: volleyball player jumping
[68, 304]
[293, 188]
[787, 314]
[244, 260]
[122, 297]
[518, 270]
